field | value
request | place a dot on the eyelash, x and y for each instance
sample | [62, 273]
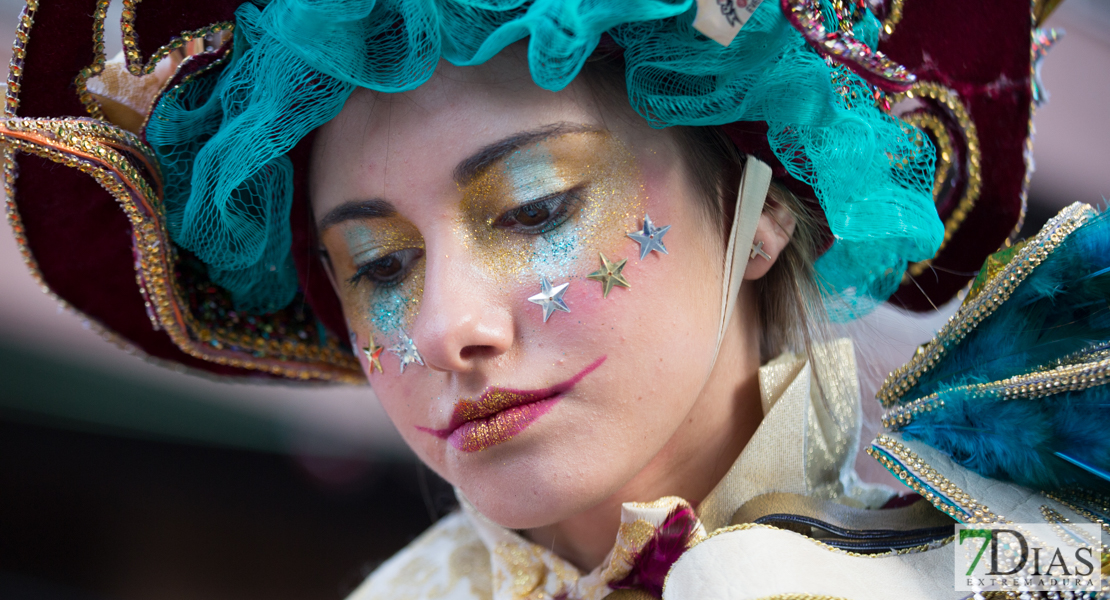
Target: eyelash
[406, 257]
[560, 207]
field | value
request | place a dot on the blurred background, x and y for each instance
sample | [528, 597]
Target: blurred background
[122, 480]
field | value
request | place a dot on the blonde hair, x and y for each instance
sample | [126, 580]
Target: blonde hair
[788, 296]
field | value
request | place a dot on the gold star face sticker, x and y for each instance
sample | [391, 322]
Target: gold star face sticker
[374, 354]
[610, 274]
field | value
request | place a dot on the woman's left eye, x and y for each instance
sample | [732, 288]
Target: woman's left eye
[388, 270]
[540, 216]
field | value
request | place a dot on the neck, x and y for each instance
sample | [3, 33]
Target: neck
[699, 454]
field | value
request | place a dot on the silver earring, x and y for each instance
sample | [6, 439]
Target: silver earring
[757, 250]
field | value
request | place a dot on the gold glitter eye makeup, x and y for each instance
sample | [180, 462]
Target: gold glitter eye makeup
[541, 216]
[388, 270]
[571, 195]
[382, 264]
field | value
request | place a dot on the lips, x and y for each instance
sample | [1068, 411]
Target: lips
[500, 414]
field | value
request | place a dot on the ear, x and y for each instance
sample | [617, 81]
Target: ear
[776, 227]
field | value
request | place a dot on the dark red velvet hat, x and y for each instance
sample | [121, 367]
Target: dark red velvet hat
[974, 96]
[84, 195]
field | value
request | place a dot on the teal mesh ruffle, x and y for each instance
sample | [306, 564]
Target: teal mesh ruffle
[222, 141]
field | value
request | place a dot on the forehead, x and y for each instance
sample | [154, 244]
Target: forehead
[384, 144]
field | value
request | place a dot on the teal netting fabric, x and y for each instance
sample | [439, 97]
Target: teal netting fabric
[222, 142]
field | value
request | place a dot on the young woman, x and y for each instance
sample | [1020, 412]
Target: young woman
[583, 255]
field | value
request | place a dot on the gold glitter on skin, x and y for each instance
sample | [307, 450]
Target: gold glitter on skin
[493, 402]
[488, 421]
[497, 429]
[606, 199]
[388, 308]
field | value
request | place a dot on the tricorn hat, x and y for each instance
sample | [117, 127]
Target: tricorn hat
[86, 194]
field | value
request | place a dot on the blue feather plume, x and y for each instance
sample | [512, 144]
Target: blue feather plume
[1049, 443]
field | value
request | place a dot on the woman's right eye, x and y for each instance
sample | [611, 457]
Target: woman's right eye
[388, 270]
[540, 216]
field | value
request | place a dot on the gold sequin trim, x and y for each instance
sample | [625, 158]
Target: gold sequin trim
[135, 63]
[82, 80]
[1068, 378]
[907, 466]
[1075, 499]
[950, 100]
[994, 293]
[1027, 156]
[19, 51]
[88, 146]
[893, 18]
[932, 123]
[1068, 535]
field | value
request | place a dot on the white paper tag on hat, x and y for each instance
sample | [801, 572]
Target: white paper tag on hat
[721, 20]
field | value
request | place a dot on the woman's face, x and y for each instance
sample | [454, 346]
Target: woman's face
[443, 210]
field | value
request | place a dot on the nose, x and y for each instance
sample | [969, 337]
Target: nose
[463, 319]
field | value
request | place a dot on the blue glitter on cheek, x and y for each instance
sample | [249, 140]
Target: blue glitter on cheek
[556, 255]
[394, 309]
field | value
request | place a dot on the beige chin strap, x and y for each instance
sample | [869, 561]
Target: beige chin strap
[754, 184]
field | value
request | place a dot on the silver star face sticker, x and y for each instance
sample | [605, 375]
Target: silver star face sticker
[550, 298]
[651, 238]
[406, 351]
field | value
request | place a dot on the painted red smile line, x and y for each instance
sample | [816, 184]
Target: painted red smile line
[500, 414]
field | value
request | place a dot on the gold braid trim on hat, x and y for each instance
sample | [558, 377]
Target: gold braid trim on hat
[102, 151]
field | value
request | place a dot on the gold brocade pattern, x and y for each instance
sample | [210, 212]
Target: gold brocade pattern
[523, 570]
[631, 537]
[801, 597]
[639, 521]
[471, 562]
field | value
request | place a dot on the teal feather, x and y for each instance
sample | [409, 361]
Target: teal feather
[1049, 443]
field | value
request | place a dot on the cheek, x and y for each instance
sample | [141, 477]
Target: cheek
[664, 322]
[385, 314]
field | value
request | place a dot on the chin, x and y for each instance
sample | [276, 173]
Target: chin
[524, 509]
[527, 495]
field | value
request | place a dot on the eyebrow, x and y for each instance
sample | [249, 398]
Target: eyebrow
[473, 166]
[467, 169]
[357, 209]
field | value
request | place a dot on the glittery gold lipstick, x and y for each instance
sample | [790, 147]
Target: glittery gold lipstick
[500, 414]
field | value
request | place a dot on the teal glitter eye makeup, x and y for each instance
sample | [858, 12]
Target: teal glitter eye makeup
[383, 271]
